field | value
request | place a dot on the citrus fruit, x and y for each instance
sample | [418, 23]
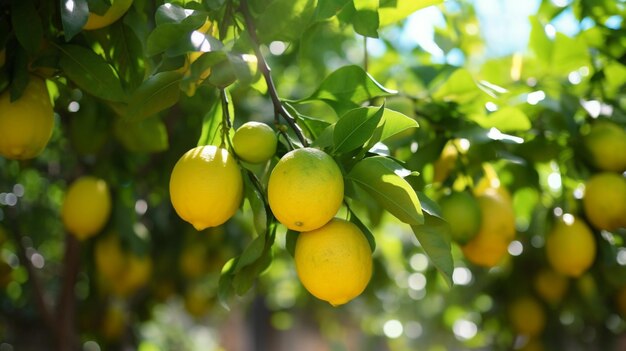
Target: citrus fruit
[606, 142]
[255, 142]
[570, 246]
[206, 186]
[550, 285]
[118, 9]
[136, 273]
[527, 316]
[305, 189]
[114, 322]
[334, 262]
[109, 257]
[26, 124]
[605, 200]
[497, 229]
[445, 163]
[462, 211]
[86, 207]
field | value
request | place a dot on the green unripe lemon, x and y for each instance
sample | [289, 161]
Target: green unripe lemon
[255, 142]
[462, 212]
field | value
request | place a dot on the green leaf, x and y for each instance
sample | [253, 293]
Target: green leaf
[251, 253]
[147, 135]
[434, 238]
[174, 28]
[312, 125]
[225, 284]
[347, 88]
[569, 54]
[284, 20]
[355, 128]
[365, 18]
[99, 7]
[74, 14]
[392, 11]
[391, 123]
[154, 95]
[328, 8]
[90, 72]
[506, 119]
[27, 25]
[21, 76]
[381, 177]
[127, 55]
[366, 231]
[459, 87]
[539, 43]
[211, 126]
[89, 127]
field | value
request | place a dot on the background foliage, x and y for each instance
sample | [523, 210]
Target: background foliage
[130, 100]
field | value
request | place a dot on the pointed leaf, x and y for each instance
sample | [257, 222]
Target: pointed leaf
[365, 18]
[366, 231]
[507, 119]
[355, 128]
[434, 238]
[154, 95]
[379, 176]
[392, 11]
[27, 25]
[74, 14]
[90, 72]
[291, 238]
[459, 87]
[347, 88]
[391, 123]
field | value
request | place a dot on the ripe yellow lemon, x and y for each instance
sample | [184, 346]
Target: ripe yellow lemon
[109, 257]
[570, 246]
[605, 200]
[118, 9]
[86, 207]
[136, 274]
[206, 186]
[497, 229]
[445, 163]
[606, 143]
[26, 124]
[462, 211]
[527, 316]
[255, 142]
[305, 189]
[114, 322]
[550, 285]
[334, 262]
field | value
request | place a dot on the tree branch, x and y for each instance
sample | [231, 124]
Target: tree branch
[279, 109]
[67, 301]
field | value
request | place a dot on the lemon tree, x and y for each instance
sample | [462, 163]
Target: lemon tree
[460, 193]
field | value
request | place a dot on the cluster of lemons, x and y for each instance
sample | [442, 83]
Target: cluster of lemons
[304, 192]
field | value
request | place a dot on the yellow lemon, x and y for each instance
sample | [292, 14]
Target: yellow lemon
[193, 261]
[550, 285]
[109, 257]
[334, 262]
[527, 316]
[118, 9]
[462, 211]
[255, 142]
[26, 124]
[206, 186]
[305, 189]
[86, 207]
[114, 322]
[606, 142]
[570, 246]
[605, 200]
[497, 229]
[136, 274]
[445, 163]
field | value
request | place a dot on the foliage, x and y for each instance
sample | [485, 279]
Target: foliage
[131, 98]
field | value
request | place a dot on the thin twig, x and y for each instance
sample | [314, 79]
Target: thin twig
[279, 109]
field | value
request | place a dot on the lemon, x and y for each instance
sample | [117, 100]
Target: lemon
[206, 186]
[462, 211]
[334, 262]
[497, 229]
[255, 142]
[570, 246]
[193, 261]
[26, 124]
[118, 9]
[114, 322]
[136, 274]
[445, 163]
[605, 200]
[305, 189]
[86, 207]
[606, 142]
[527, 316]
[550, 285]
[109, 257]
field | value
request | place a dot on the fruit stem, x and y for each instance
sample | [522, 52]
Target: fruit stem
[226, 124]
[279, 109]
